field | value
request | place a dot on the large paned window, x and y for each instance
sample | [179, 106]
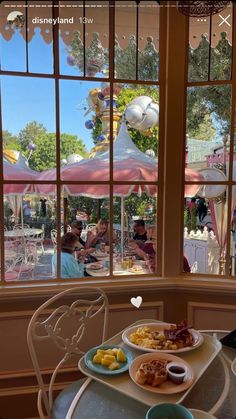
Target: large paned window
[117, 159]
[80, 140]
[209, 212]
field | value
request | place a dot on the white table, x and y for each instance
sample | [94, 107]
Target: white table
[118, 270]
[213, 393]
[24, 232]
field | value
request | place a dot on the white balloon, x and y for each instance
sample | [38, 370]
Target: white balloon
[134, 115]
[142, 113]
[74, 158]
[151, 117]
[142, 101]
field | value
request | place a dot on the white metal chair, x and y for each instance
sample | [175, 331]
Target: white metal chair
[20, 226]
[90, 226]
[63, 322]
[37, 239]
[29, 261]
[54, 238]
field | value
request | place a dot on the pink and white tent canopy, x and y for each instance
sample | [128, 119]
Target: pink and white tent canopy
[20, 171]
[129, 164]
[17, 172]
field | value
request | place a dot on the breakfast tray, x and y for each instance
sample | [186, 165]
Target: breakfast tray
[199, 359]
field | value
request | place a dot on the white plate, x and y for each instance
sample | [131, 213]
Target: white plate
[133, 271]
[168, 387]
[93, 264]
[98, 272]
[198, 338]
[99, 256]
[199, 414]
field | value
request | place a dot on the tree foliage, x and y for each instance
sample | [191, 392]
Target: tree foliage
[30, 133]
[209, 106]
[44, 157]
[10, 141]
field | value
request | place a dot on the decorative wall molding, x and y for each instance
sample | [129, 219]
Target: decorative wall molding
[203, 315]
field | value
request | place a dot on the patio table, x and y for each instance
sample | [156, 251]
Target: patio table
[214, 392]
[24, 232]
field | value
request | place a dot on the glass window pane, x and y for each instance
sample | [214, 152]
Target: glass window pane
[135, 214]
[148, 41]
[136, 147]
[40, 37]
[205, 229]
[208, 127]
[210, 46]
[85, 129]
[29, 220]
[96, 22]
[221, 44]
[28, 116]
[199, 49]
[85, 213]
[125, 46]
[13, 36]
[71, 39]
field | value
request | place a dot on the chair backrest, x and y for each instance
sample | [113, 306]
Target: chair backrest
[20, 226]
[63, 322]
[54, 236]
[90, 226]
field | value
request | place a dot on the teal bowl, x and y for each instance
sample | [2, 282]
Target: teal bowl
[169, 411]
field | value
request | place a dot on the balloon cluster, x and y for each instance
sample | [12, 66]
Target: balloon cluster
[142, 113]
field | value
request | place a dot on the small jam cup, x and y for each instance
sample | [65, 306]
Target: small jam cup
[176, 372]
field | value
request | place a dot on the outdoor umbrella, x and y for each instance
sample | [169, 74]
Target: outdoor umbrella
[129, 164]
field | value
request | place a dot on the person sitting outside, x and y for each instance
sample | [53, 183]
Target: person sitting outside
[140, 231]
[70, 268]
[76, 228]
[147, 252]
[99, 234]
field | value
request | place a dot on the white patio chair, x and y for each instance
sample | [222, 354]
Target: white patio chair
[90, 226]
[20, 226]
[61, 324]
[54, 239]
[37, 239]
[11, 259]
[29, 261]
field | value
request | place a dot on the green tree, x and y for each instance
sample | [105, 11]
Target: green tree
[204, 131]
[205, 102]
[32, 131]
[10, 141]
[44, 157]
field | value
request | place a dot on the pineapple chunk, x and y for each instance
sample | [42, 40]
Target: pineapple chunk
[121, 357]
[110, 358]
[110, 352]
[114, 366]
[97, 359]
[101, 351]
[106, 362]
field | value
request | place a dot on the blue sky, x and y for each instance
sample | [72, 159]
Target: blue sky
[26, 99]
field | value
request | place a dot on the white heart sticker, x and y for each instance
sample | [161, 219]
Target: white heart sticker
[136, 301]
